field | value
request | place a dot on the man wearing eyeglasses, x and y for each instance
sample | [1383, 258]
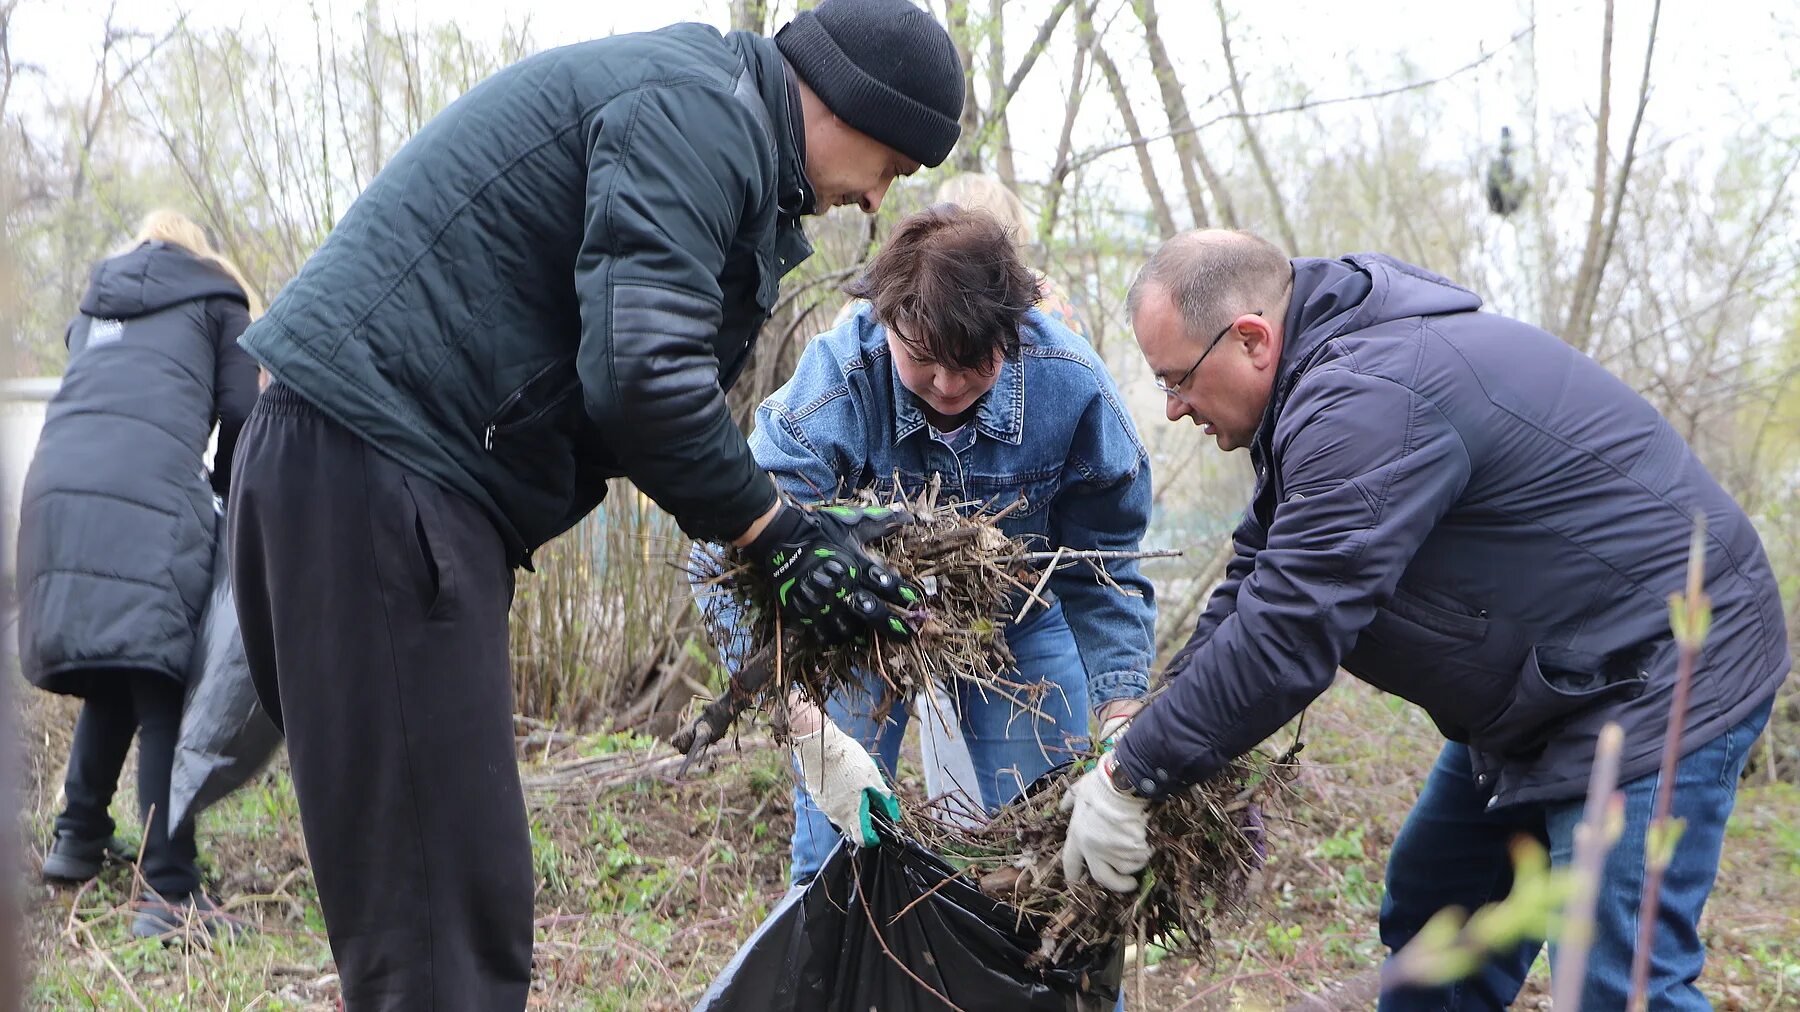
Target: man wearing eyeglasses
[1464, 511]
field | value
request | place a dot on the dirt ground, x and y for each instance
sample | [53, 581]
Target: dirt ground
[648, 883]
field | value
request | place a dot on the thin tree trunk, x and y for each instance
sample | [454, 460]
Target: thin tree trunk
[1059, 174]
[376, 49]
[6, 61]
[1575, 326]
[1624, 180]
[750, 16]
[1278, 205]
[968, 148]
[1187, 145]
[1003, 152]
[1159, 202]
[997, 106]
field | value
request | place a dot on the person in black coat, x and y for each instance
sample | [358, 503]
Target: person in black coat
[117, 529]
[554, 283]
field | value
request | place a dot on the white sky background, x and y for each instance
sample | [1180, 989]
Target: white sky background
[1720, 63]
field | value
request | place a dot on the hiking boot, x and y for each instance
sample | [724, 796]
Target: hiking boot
[72, 859]
[194, 915]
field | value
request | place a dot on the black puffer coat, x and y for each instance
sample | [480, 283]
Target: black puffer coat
[116, 526]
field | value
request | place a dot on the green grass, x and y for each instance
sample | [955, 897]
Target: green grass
[645, 889]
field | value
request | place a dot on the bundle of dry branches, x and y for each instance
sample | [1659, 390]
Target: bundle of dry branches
[975, 578]
[1207, 839]
[1207, 842]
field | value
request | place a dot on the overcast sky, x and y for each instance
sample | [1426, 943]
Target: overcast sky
[1720, 63]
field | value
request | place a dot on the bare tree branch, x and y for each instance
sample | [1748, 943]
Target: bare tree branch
[1575, 329]
[968, 153]
[101, 95]
[1059, 174]
[1181, 128]
[973, 142]
[1277, 204]
[343, 118]
[1159, 202]
[7, 68]
[1003, 152]
[749, 16]
[1592, 292]
[1190, 128]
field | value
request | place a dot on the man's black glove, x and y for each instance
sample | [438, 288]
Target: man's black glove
[825, 580]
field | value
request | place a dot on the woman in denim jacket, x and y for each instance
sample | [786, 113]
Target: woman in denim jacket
[949, 373]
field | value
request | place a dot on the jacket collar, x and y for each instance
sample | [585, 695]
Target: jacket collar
[1000, 414]
[1321, 301]
[794, 193]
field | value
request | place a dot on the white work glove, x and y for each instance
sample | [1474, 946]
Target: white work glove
[844, 782]
[1108, 831]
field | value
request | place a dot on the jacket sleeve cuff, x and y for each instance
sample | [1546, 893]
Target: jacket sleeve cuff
[1152, 783]
[732, 516]
[1108, 686]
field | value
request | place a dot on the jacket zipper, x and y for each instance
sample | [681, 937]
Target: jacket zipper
[487, 436]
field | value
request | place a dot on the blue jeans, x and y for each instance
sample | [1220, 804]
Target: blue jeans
[1452, 851]
[1009, 747]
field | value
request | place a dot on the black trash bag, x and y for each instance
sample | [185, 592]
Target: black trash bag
[822, 949]
[226, 738]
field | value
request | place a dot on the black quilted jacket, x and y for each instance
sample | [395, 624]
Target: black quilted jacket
[557, 279]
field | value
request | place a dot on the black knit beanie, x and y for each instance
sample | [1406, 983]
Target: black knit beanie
[886, 68]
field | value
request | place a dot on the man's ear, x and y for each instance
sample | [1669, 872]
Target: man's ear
[1262, 340]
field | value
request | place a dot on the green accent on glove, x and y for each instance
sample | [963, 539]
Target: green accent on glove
[873, 799]
[825, 553]
[907, 595]
[782, 592]
[897, 625]
[842, 512]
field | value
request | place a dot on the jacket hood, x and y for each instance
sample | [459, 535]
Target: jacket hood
[1359, 291]
[152, 277]
[1354, 292]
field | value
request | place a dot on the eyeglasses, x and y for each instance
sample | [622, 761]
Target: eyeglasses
[1174, 389]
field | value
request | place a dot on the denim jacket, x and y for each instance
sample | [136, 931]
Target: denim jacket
[845, 422]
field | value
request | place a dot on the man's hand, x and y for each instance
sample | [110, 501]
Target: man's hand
[1108, 831]
[1115, 716]
[824, 579]
[844, 782]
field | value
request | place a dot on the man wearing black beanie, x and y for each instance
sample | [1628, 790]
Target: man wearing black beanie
[885, 70]
[552, 284]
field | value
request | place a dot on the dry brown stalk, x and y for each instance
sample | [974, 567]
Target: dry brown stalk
[1207, 842]
[1206, 839]
[974, 578]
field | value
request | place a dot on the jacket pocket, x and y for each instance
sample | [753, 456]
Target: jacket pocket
[538, 399]
[1555, 686]
[1433, 613]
